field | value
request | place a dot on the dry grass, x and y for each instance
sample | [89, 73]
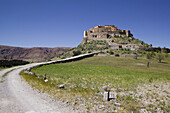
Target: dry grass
[84, 80]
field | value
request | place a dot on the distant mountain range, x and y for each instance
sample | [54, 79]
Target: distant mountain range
[35, 54]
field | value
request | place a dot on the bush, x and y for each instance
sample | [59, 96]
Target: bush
[75, 53]
[63, 57]
[111, 52]
[117, 55]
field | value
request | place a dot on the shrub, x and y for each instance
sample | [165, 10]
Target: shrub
[111, 52]
[75, 53]
[117, 55]
[63, 57]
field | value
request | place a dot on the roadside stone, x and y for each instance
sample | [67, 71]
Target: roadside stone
[143, 111]
[62, 86]
[117, 104]
[30, 73]
[106, 88]
[101, 106]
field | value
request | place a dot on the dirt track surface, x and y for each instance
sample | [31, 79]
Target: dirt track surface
[16, 96]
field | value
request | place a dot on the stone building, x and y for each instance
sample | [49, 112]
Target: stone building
[108, 32]
[105, 32]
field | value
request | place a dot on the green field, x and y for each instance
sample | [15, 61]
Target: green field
[2, 68]
[86, 78]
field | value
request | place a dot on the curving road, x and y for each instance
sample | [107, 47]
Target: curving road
[16, 96]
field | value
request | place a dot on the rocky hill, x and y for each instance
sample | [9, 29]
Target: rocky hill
[34, 54]
[110, 40]
[116, 38]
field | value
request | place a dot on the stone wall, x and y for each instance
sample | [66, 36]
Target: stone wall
[106, 31]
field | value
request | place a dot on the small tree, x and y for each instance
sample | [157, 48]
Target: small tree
[136, 56]
[148, 55]
[148, 64]
[160, 57]
[153, 54]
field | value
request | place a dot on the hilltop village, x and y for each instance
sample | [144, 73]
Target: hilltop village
[116, 38]
[110, 40]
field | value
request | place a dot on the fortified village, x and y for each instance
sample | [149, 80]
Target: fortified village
[109, 39]
[116, 38]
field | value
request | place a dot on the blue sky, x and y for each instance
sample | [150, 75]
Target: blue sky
[60, 23]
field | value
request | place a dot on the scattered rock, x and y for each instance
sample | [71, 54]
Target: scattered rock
[101, 106]
[30, 73]
[106, 88]
[143, 111]
[117, 104]
[62, 86]
[37, 76]
[46, 80]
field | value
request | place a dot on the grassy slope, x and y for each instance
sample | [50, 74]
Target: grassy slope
[87, 77]
[2, 68]
[96, 72]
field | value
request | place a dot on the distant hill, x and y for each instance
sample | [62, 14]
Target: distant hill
[34, 54]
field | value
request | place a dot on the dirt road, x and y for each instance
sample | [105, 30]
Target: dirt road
[16, 96]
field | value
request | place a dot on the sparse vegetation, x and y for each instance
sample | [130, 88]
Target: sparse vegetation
[88, 47]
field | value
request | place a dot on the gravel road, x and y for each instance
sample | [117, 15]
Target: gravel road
[16, 96]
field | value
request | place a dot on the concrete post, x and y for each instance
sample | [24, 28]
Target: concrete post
[109, 96]
[106, 96]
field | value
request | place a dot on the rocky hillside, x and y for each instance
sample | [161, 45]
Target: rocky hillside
[34, 54]
[111, 41]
